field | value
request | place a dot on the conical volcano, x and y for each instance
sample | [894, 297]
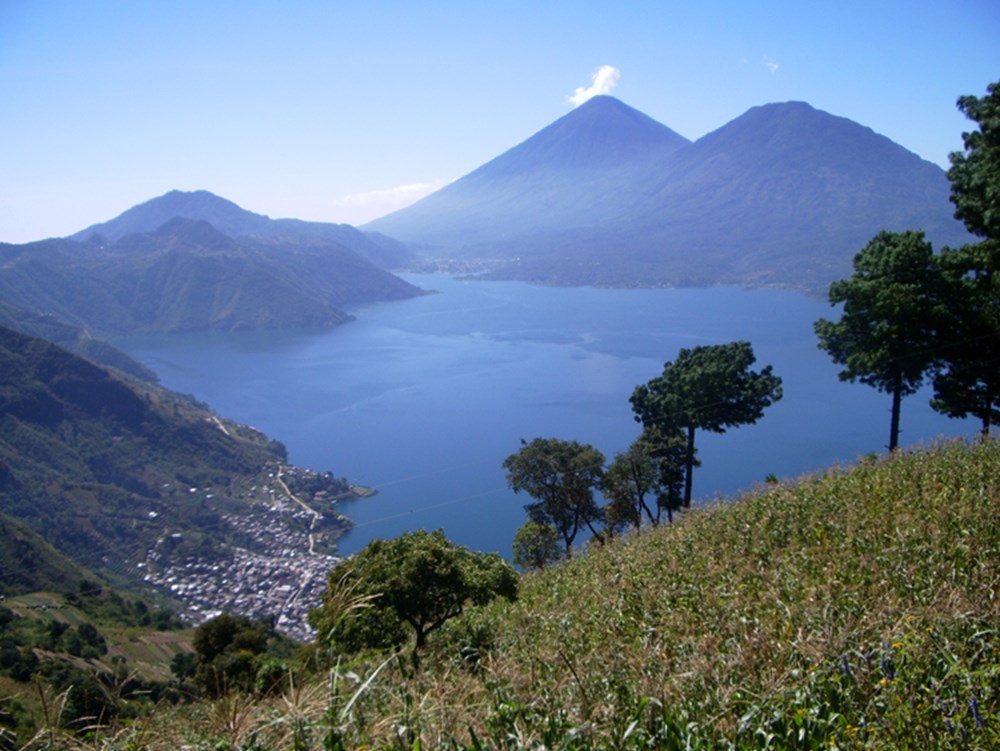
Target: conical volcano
[567, 174]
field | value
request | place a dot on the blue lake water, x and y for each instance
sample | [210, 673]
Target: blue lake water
[423, 399]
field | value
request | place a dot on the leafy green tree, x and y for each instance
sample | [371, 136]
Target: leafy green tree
[975, 173]
[705, 388]
[536, 545]
[412, 584]
[182, 665]
[968, 382]
[645, 480]
[227, 650]
[561, 476]
[892, 309]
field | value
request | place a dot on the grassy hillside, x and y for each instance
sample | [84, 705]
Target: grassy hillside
[858, 609]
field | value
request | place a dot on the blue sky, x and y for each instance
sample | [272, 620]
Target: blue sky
[340, 111]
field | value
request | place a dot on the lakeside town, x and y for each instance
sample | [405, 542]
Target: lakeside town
[279, 570]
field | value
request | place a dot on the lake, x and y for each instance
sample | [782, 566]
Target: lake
[423, 399]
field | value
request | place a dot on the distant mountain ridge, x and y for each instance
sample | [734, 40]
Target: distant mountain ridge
[236, 222]
[783, 195]
[138, 274]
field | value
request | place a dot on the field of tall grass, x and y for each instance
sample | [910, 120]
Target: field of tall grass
[857, 609]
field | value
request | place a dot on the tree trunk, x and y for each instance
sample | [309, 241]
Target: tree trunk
[689, 468]
[988, 412]
[897, 398]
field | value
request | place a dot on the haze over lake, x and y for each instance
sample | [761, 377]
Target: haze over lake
[423, 399]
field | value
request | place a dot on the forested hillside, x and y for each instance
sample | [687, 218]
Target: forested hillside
[186, 275]
[91, 462]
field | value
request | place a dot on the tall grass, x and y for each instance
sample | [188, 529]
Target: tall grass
[857, 609]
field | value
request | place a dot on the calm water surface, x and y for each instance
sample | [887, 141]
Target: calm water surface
[423, 399]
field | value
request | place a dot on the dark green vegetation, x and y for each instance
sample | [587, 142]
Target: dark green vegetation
[235, 653]
[893, 305]
[412, 585]
[647, 479]
[705, 388]
[975, 172]
[88, 656]
[77, 340]
[969, 381]
[708, 388]
[561, 476]
[102, 468]
[856, 609]
[126, 478]
[783, 195]
[29, 564]
[909, 314]
[106, 478]
[185, 275]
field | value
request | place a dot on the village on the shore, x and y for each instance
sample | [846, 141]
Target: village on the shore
[279, 572]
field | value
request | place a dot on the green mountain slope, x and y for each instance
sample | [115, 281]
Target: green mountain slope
[29, 564]
[77, 340]
[858, 609]
[92, 463]
[150, 489]
[185, 275]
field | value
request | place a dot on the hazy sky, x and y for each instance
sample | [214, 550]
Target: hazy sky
[337, 111]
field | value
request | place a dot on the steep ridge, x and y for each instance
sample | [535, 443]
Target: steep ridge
[85, 456]
[236, 222]
[77, 340]
[187, 275]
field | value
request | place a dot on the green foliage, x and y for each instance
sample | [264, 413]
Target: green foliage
[975, 173]
[183, 666]
[561, 476]
[227, 653]
[652, 466]
[968, 380]
[412, 584]
[705, 388]
[536, 545]
[106, 606]
[28, 563]
[893, 306]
